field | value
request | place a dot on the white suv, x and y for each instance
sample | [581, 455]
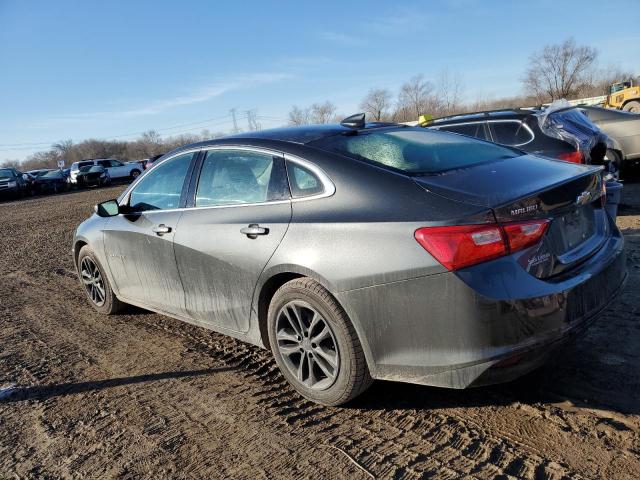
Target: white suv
[115, 168]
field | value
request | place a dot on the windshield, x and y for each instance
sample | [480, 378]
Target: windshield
[52, 174]
[6, 173]
[416, 150]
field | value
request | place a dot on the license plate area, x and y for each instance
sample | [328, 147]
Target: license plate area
[578, 227]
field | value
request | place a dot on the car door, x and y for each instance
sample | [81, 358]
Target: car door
[240, 211]
[139, 244]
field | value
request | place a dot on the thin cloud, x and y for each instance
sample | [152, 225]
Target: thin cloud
[199, 95]
[341, 38]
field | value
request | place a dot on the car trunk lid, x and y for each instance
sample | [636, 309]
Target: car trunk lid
[529, 187]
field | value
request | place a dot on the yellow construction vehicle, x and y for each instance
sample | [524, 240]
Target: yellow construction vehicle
[624, 96]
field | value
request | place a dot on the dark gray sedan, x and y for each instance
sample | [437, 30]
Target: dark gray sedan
[357, 252]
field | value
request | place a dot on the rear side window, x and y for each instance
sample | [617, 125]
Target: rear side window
[475, 130]
[416, 150]
[236, 177]
[510, 133]
[303, 182]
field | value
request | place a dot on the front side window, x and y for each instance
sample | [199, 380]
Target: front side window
[161, 188]
[416, 150]
[236, 177]
[510, 133]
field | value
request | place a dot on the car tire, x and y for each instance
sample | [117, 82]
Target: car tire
[633, 106]
[331, 371]
[92, 276]
[135, 174]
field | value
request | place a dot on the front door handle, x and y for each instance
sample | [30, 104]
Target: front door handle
[253, 230]
[161, 229]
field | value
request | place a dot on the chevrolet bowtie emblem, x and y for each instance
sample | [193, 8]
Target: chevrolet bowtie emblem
[583, 198]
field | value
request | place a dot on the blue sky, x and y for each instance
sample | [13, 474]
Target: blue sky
[80, 69]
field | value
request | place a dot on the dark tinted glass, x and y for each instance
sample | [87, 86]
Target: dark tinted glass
[470, 129]
[161, 188]
[510, 133]
[235, 177]
[303, 181]
[416, 150]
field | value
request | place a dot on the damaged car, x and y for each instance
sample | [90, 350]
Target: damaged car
[363, 251]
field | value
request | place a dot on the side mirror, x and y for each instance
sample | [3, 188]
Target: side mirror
[110, 208]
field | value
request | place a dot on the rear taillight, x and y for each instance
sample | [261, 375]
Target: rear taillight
[524, 234]
[574, 157]
[460, 246]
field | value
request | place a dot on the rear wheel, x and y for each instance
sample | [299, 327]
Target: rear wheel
[96, 284]
[135, 174]
[633, 106]
[315, 344]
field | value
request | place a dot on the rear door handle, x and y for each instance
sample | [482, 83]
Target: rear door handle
[253, 230]
[161, 229]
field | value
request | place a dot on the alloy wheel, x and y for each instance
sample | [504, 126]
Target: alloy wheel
[307, 345]
[92, 280]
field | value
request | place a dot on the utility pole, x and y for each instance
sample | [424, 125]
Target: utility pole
[235, 121]
[251, 120]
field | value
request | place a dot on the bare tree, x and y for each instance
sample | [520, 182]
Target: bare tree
[558, 70]
[323, 112]
[415, 98]
[299, 116]
[449, 92]
[377, 104]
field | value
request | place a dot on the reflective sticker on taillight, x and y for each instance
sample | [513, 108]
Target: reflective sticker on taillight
[487, 237]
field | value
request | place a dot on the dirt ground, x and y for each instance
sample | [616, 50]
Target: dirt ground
[141, 395]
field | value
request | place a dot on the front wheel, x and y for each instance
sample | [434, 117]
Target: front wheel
[633, 106]
[95, 283]
[315, 344]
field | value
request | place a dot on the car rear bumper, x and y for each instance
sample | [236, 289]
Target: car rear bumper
[486, 324]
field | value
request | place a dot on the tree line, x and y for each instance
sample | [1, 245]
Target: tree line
[565, 70]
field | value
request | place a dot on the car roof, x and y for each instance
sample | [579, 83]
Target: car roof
[300, 135]
[502, 114]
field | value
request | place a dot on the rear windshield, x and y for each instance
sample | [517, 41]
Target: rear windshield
[416, 150]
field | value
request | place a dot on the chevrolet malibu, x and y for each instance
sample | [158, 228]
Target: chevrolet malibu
[363, 251]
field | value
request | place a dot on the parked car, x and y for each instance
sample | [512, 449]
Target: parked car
[564, 133]
[363, 251]
[92, 176]
[623, 128]
[149, 162]
[53, 181]
[39, 172]
[117, 170]
[12, 183]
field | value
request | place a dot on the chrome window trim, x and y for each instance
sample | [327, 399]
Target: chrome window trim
[526, 127]
[328, 186]
[475, 122]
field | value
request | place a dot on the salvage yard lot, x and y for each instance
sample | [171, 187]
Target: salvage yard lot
[139, 394]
